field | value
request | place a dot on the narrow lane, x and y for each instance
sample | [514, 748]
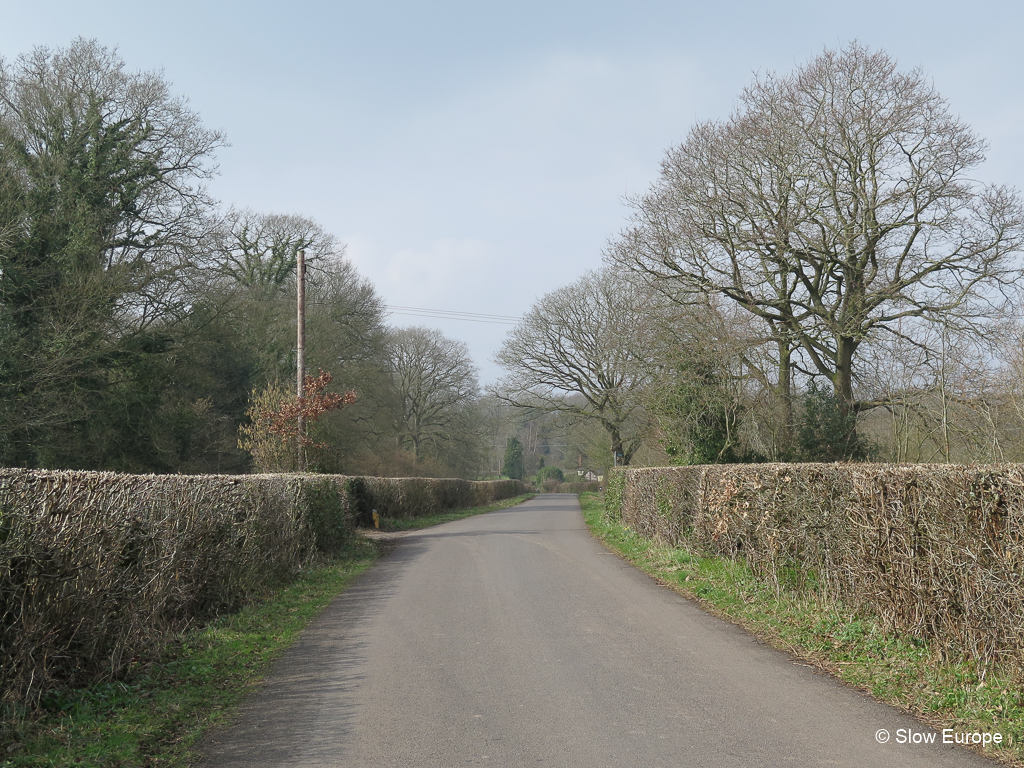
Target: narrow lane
[514, 639]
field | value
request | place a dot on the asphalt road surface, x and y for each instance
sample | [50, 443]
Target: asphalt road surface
[513, 639]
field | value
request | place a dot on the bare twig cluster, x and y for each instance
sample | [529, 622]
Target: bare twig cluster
[935, 552]
[99, 570]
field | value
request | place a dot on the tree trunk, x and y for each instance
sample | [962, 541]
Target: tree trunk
[619, 458]
[843, 383]
[784, 395]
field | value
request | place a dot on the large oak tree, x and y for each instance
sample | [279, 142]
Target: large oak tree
[836, 202]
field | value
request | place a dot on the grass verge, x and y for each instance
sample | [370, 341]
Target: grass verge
[905, 672]
[426, 521]
[156, 715]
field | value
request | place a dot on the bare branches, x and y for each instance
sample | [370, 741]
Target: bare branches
[436, 384]
[834, 203]
[260, 250]
[588, 339]
[88, 137]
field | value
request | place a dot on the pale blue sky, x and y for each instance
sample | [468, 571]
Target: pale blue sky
[474, 155]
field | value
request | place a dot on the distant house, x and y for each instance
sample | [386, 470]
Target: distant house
[590, 476]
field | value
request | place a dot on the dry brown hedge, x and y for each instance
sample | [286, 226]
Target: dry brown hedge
[98, 570]
[404, 497]
[934, 551]
[586, 486]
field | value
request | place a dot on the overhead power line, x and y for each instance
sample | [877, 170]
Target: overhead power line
[446, 314]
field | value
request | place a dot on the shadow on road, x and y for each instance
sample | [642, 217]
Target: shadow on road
[307, 697]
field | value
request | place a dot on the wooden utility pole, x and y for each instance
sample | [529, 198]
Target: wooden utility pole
[300, 376]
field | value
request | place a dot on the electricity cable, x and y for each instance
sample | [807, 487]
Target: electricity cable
[446, 314]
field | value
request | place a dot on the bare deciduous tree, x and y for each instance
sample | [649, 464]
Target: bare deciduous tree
[585, 340]
[834, 203]
[948, 396]
[436, 384]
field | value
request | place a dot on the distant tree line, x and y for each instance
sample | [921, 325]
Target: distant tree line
[816, 277]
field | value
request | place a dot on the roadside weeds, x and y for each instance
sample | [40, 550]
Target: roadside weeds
[905, 673]
[154, 717]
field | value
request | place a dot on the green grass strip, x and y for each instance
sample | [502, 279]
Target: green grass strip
[904, 672]
[427, 521]
[155, 716]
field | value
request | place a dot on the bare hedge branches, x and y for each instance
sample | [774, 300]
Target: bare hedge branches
[98, 569]
[935, 551]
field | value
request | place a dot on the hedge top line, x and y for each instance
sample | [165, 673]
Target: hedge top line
[872, 466]
[31, 472]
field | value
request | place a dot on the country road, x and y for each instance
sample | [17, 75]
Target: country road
[513, 639]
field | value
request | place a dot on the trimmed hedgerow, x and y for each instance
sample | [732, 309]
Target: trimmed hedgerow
[936, 552]
[99, 570]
